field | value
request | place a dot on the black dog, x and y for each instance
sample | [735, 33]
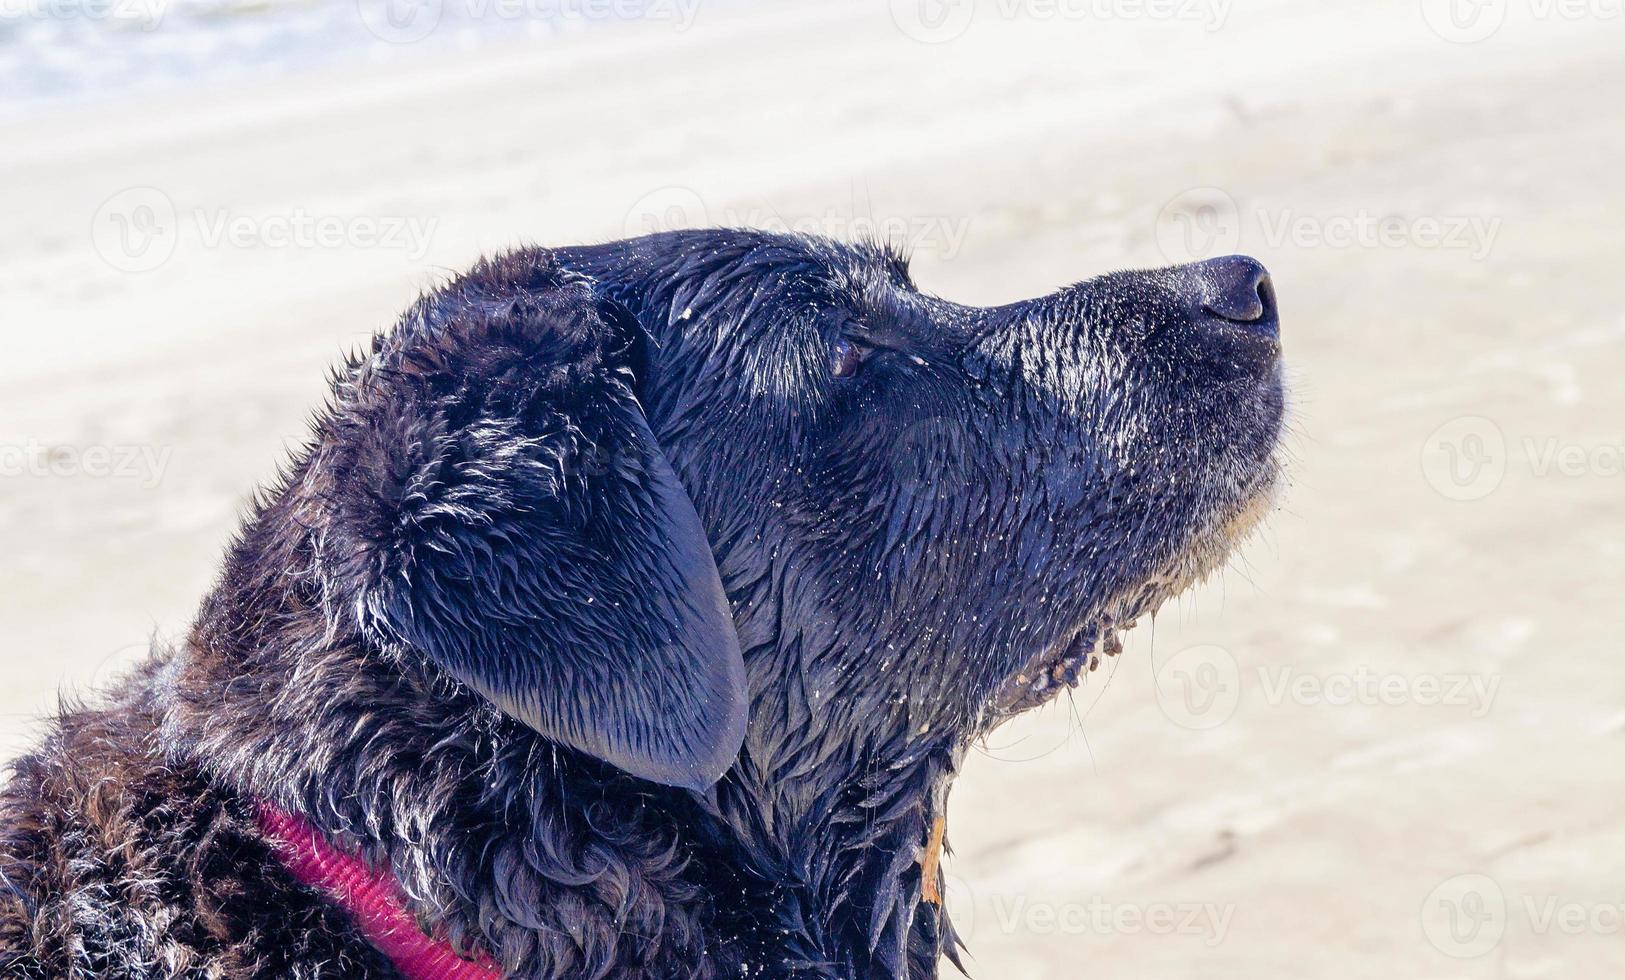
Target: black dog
[633, 607]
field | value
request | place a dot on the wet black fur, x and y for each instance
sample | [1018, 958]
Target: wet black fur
[401, 646]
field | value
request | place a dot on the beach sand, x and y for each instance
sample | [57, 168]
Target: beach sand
[1388, 741]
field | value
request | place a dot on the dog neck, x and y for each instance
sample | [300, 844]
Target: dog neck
[862, 850]
[552, 863]
[371, 898]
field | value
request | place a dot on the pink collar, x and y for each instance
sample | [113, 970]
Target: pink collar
[372, 899]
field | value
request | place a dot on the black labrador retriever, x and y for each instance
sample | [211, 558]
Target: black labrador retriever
[630, 613]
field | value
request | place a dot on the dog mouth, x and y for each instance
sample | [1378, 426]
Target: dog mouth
[1061, 667]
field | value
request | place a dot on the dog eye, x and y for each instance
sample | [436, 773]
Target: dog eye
[845, 358]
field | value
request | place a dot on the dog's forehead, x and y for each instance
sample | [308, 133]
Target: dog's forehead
[861, 271]
[767, 318]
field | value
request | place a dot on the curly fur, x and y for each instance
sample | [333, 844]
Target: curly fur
[397, 647]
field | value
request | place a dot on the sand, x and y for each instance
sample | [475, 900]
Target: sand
[1388, 741]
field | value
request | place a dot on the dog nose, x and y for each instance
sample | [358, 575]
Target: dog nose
[1237, 288]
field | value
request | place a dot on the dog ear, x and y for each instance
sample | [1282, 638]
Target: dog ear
[497, 501]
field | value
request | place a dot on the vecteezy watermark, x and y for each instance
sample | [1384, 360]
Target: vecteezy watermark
[1201, 687]
[302, 229]
[1468, 916]
[109, 671]
[1467, 458]
[1204, 222]
[673, 208]
[1471, 21]
[409, 21]
[1372, 688]
[137, 230]
[666, 209]
[1205, 922]
[1464, 21]
[1199, 223]
[1554, 457]
[141, 14]
[939, 21]
[1465, 916]
[977, 911]
[142, 463]
[400, 21]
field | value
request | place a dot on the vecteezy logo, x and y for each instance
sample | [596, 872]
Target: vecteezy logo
[111, 669]
[1198, 224]
[143, 15]
[400, 21]
[1199, 687]
[136, 229]
[1466, 458]
[1465, 916]
[1464, 21]
[933, 21]
[666, 209]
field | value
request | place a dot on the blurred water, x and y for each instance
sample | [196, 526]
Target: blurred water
[52, 51]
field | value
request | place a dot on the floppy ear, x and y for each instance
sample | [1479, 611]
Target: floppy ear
[497, 501]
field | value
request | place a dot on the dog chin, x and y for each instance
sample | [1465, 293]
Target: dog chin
[1063, 665]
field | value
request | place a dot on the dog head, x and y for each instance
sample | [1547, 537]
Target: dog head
[628, 492]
